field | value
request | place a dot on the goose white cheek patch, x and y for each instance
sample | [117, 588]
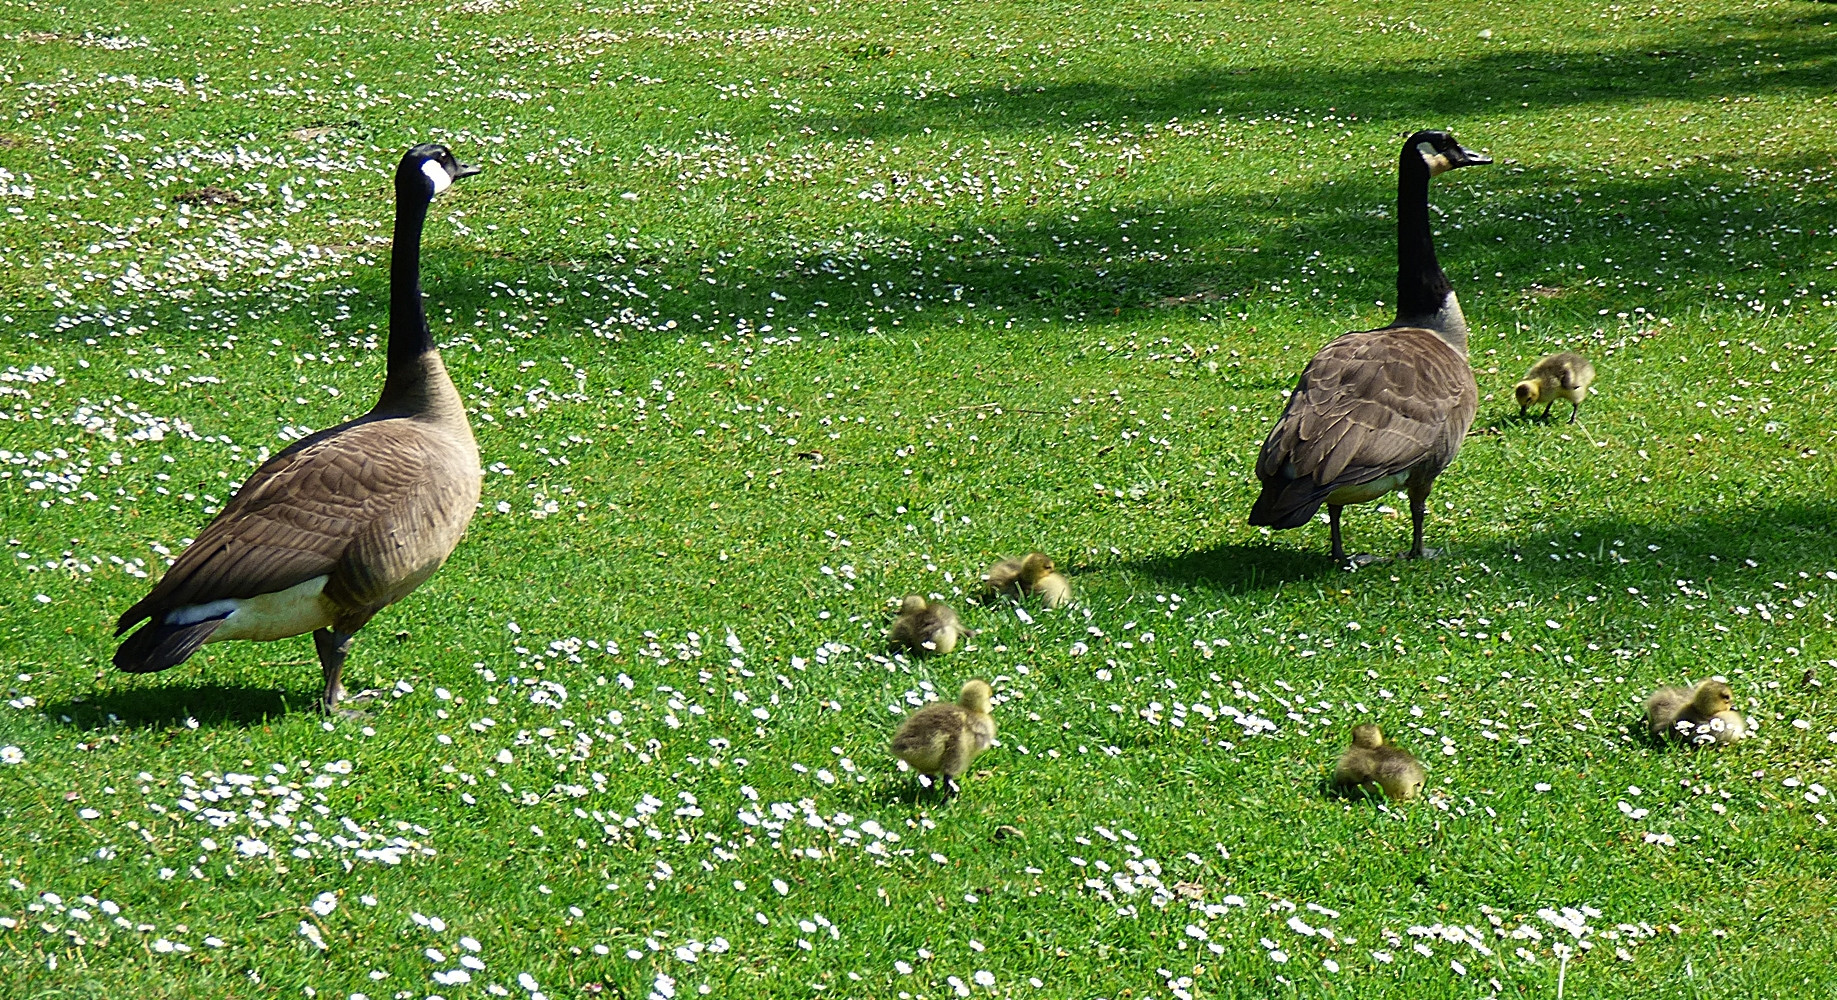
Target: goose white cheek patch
[1438, 163]
[437, 174]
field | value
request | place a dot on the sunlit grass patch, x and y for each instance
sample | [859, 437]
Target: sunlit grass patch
[768, 314]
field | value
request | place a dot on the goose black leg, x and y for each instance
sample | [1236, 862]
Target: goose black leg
[1547, 406]
[1339, 548]
[1419, 509]
[1574, 408]
[332, 647]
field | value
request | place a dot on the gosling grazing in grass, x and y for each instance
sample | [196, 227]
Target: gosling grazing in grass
[1035, 574]
[925, 627]
[341, 523]
[1370, 764]
[1379, 410]
[1563, 375]
[941, 739]
[1699, 715]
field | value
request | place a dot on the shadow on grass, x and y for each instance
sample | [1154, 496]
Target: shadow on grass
[1235, 567]
[1792, 535]
[1714, 546]
[1044, 265]
[213, 705]
[1709, 59]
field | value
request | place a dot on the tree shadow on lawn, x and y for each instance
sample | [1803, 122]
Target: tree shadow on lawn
[166, 706]
[1233, 248]
[1710, 59]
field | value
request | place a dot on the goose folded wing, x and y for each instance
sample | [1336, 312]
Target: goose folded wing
[1370, 405]
[293, 519]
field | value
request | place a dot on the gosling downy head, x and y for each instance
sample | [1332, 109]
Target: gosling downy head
[1528, 395]
[974, 696]
[1712, 697]
[941, 739]
[1036, 567]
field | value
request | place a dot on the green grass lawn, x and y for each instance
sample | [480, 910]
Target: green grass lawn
[773, 312]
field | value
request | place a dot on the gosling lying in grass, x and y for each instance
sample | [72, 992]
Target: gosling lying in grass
[941, 739]
[1700, 715]
[1563, 375]
[1370, 764]
[1036, 574]
[924, 628]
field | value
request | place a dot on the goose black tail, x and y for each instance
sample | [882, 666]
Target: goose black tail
[1287, 503]
[156, 647]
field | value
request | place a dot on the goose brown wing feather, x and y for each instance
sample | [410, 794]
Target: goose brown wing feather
[1370, 404]
[297, 516]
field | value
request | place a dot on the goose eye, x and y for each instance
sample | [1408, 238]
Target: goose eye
[437, 174]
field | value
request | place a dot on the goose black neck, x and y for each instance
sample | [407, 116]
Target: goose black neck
[409, 337]
[1422, 288]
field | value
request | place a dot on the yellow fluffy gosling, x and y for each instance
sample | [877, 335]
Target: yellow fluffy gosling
[941, 739]
[1563, 375]
[1699, 715]
[923, 627]
[1370, 763]
[1036, 574]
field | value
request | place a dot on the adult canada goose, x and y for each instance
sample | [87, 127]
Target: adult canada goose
[1699, 715]
[925, 627]
[1563, 375]
[941, 739]
[1370, 764]
[1380, 409]
[346, 521]
[1035, 574]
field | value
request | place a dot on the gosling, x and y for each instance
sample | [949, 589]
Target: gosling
[1036, 574]
[1563, 375]
[1371, 764]
[1700, 715]
[924, 628]
[941, 739]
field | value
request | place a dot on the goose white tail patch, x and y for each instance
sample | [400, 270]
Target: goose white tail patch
[193, 614]
[437, 174]
[295, 611]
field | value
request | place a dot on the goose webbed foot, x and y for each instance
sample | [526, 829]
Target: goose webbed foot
[348, 703]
